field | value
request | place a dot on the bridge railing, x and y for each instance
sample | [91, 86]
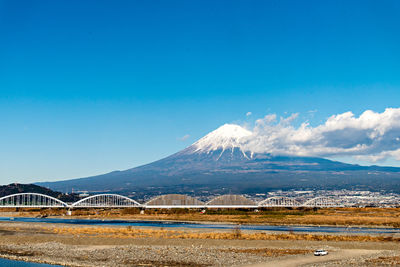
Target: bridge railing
[279, 202]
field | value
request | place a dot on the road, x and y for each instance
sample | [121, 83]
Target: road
[300, 260]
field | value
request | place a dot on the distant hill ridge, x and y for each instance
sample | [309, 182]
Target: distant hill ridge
[15, 188]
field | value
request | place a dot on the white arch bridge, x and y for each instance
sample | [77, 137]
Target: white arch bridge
[35, 200]
[105, 200]
[31, 200]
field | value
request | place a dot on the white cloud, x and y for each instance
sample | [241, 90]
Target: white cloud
[185, 137]
[372, 136]
[248, 113]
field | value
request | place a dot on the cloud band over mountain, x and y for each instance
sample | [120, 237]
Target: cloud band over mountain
[372, 136]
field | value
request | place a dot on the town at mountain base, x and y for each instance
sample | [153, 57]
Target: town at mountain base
[218, 163]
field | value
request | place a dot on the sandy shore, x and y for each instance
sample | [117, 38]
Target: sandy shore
[34, 242]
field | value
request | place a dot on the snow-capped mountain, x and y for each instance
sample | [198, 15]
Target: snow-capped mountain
[221, 163]
[226, 137]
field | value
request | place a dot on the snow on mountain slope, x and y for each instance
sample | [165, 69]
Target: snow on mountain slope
[226, 137]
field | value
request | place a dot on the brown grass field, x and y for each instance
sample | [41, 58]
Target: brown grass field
[130, 232]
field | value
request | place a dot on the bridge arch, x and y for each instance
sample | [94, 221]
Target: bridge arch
[231, 201]
[279, 202]
[174, 201]
[31, 200]
[106, 201]
[323, 202]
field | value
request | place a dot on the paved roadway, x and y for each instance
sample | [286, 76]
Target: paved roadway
[311, 259]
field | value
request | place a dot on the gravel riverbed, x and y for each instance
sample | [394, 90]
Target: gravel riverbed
[130, 255]
[29, 242]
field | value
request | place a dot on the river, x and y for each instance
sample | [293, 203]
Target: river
[12, 263]
[174, 224]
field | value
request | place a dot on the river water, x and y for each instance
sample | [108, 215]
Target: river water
[12, 263]
[173, 224]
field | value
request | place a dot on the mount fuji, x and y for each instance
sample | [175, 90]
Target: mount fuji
[220, 163]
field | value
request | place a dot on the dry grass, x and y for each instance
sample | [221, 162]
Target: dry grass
[130, 232]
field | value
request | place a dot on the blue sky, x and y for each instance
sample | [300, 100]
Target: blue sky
[88, 87]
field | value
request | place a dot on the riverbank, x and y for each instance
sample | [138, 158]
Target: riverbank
[73, 245]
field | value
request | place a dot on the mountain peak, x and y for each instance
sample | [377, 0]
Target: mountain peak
[221, 161]
[228, 136]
